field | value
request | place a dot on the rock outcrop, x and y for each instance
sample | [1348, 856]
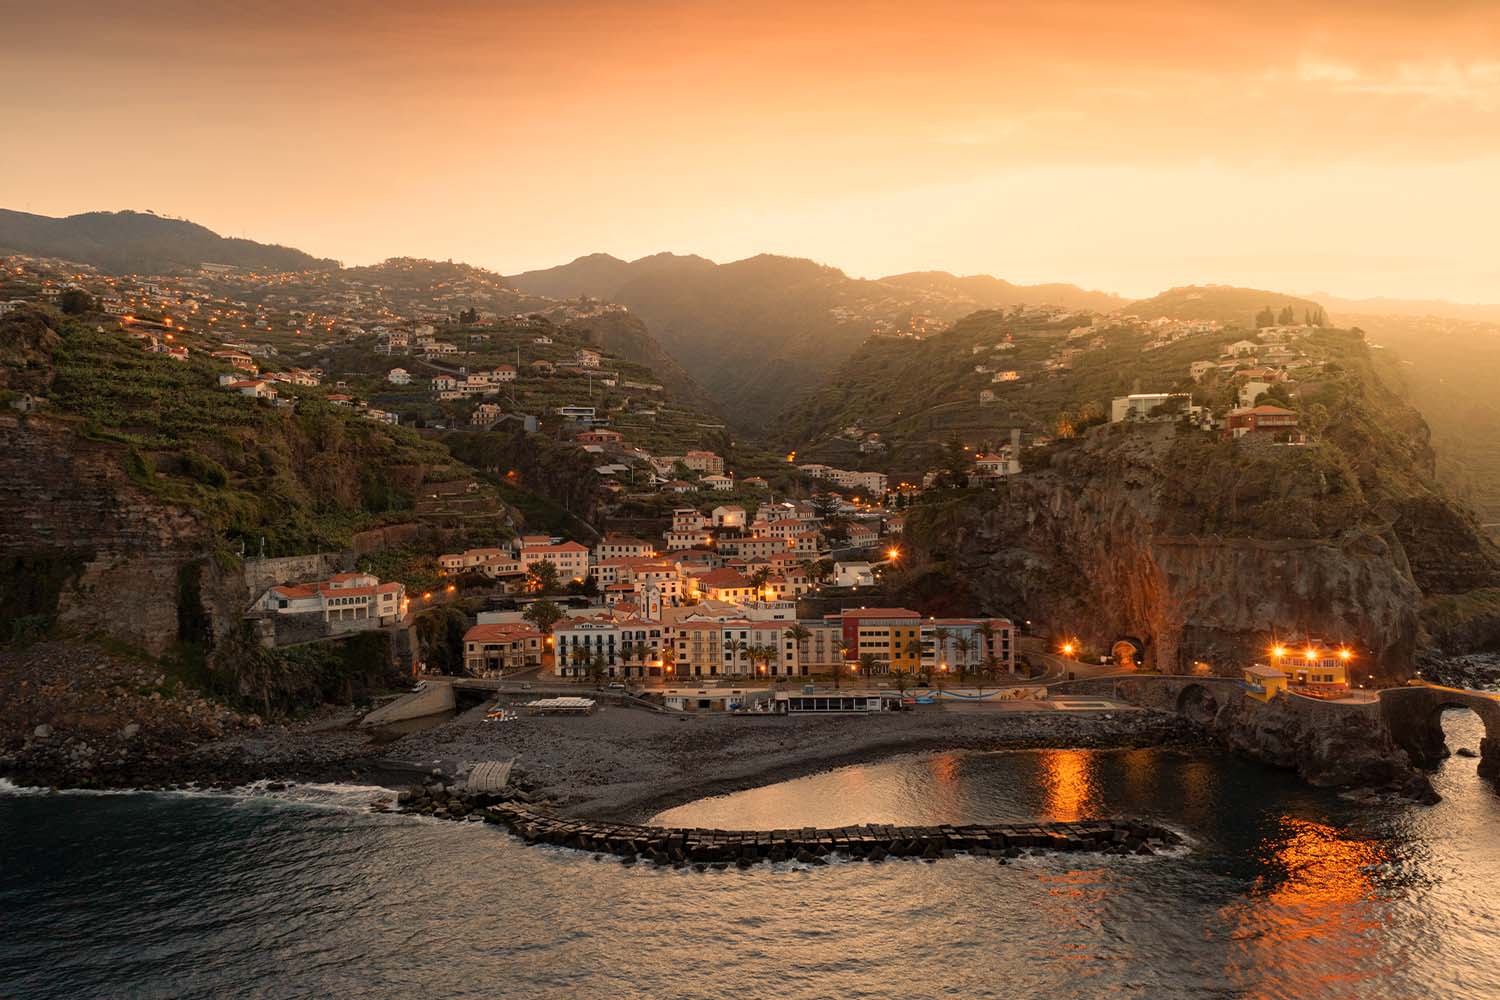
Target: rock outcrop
[1201, 549]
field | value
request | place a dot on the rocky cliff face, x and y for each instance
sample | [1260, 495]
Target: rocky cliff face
[86, 545]
[1198, 551]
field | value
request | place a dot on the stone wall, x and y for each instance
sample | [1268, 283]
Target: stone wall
[261, 574]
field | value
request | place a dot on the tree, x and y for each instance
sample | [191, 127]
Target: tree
[76, 302]
[594, 662]
[735, 648]
[963, 645]
[543, 615]
[867, 664]
[820, 570]
[940, 638]
[758, 579]
[902, 680]
[541, 578]
[989, 668]
[1266, 317]
[955, 465]
[826, 505]
[844, 650]
[799, 634]
[1286, 317]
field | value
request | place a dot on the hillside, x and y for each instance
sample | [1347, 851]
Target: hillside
[1220, 303]
[1205, 547]
[981, 291]
[141, 243]
[1448, 368]
[141, 475]
[760, 332]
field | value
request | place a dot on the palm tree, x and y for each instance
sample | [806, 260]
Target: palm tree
[735, 648]
[940, 637]
[799, 634]
[867, 663]
[986, 632]
[758, 580]
[914, 650]
[594, 662]
[991, 667]
[963, 645]
[902, 680]
[844, 650]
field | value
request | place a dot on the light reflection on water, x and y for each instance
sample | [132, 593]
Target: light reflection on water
[1286, 892]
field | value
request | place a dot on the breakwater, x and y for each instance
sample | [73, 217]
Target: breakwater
[680, 847]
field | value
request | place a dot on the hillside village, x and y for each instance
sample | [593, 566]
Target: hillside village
[678, 552]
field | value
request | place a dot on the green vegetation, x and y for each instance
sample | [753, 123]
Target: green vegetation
[293, 480]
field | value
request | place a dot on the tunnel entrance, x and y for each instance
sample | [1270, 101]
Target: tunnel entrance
[1126, 652]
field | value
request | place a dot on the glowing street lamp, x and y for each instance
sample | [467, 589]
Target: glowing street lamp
[893, 553]
[1069, 647]
[1278, 651]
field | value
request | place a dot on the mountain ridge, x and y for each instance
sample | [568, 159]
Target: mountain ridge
[130, 242]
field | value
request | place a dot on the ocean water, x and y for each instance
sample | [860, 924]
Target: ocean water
[1283, 891]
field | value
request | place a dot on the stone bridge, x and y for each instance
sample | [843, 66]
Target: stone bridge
[1351, 741]
[1414, 717]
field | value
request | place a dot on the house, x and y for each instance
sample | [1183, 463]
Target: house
[622, 547]
[504, 373]
[968, 642]
[1265, 682]
[570, 558]
[1241, 348]
[486, 414]
[705, 462]
[588, 357]
[891, 635]
[862, 535]
[491, 649]
[1263, 419]
[853, 574]
[721, 585]
[1198, 369]
[728, 516]
[997, 465]
[342, 598]
[1151, 406]
[688, 519]
[491, 562]
[1251, 391]
[601, 436]
[1314, 663]
[258, 388]
[722, 484]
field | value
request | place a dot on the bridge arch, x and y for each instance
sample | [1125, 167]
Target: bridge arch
[1414, 716]
[1197, 704]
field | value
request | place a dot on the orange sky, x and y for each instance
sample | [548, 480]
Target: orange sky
[1352, 147]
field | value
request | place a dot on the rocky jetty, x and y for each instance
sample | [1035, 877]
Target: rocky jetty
[680, 847]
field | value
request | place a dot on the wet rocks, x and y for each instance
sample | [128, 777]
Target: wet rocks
[719, 849]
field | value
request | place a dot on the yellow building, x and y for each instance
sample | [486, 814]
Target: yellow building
[1266, 682]
[1313, 662]
[892, 635]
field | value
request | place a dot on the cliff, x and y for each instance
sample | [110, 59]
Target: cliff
[1201, 549]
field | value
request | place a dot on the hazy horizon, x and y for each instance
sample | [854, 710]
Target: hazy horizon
[1126, 147]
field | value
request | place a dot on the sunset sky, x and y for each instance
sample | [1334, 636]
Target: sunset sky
[1338, 146]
